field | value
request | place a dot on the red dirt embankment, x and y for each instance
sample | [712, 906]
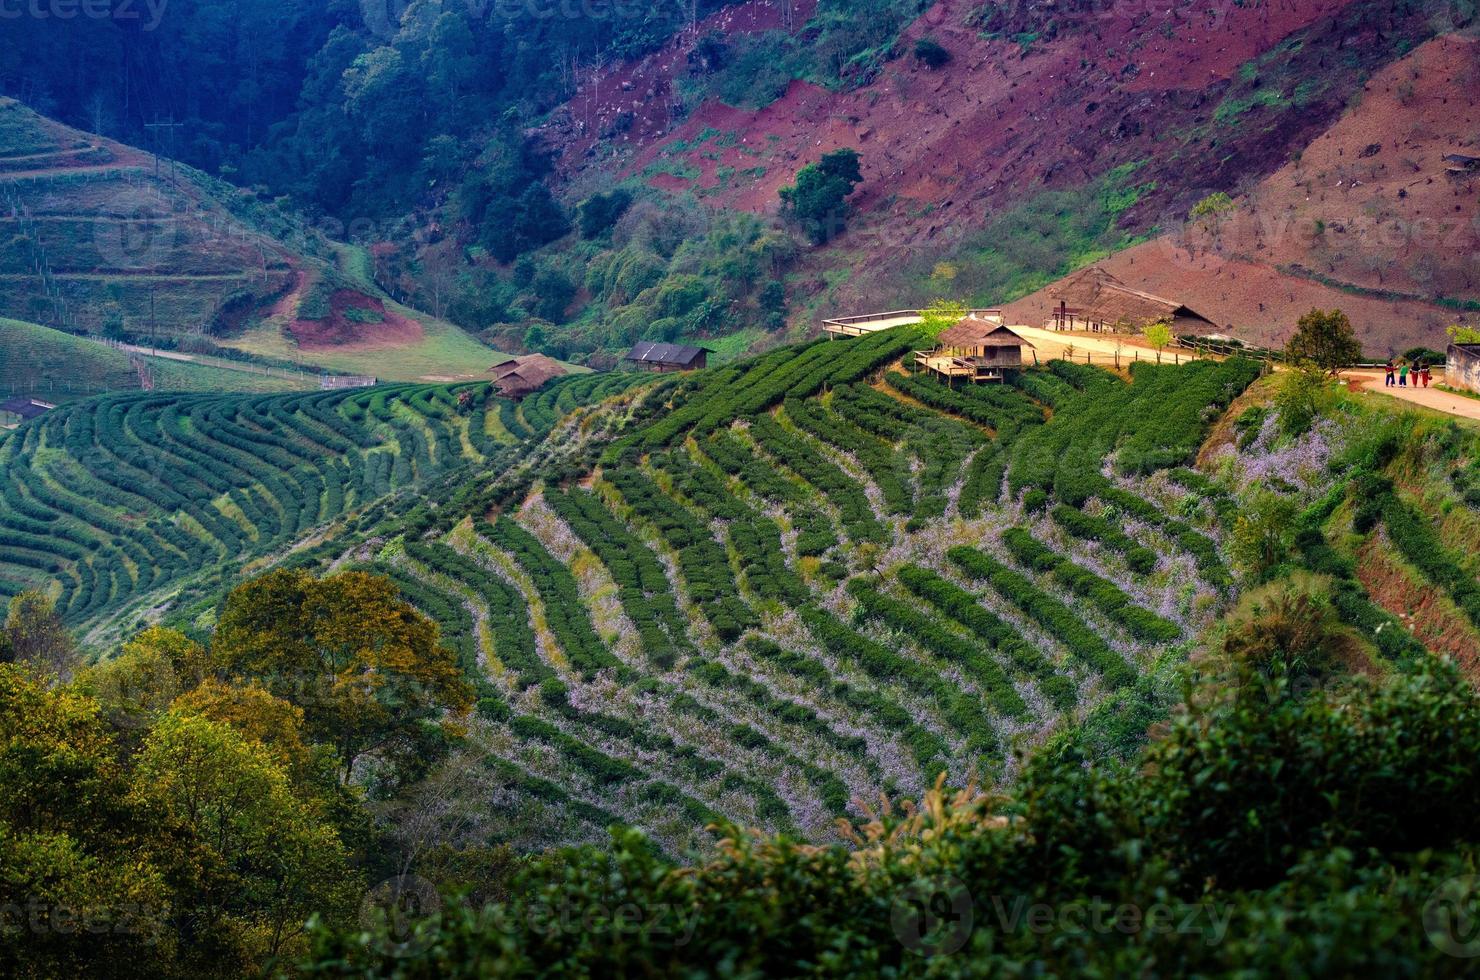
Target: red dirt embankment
[950, 142]
[339, 332]
[1369, 203]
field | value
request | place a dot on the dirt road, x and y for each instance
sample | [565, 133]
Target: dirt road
[1101, 348]
[1440, 401]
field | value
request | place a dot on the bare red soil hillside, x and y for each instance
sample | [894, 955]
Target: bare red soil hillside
[1368, 219]
[1299, 108]
[959, 140]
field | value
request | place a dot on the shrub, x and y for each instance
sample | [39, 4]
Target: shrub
[931, 53]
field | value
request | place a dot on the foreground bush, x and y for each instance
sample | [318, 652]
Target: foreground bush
[1275, 835]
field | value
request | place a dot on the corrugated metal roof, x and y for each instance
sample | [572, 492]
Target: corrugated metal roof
[652, 352]
[24, 407]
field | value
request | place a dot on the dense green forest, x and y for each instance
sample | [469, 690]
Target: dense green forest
[416, 132]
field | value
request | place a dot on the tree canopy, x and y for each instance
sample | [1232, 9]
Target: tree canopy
[1326, 338]
[817, 202]
[365, 667]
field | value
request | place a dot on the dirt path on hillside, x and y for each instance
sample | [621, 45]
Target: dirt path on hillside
[1439, 401]
[1052, 344]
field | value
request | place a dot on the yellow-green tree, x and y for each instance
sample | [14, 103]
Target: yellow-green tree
[82, 892]
[35, 635]
[941, 315]
[256, 861]
[367, 669]
[140, 682]
[1159, 335]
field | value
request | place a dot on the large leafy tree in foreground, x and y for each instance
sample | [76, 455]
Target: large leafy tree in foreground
[366, 668]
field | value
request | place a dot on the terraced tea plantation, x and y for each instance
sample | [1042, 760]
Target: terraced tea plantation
[759, 592]
[126, 501]
[814, 578]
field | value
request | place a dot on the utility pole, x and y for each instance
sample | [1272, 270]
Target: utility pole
[170, 126]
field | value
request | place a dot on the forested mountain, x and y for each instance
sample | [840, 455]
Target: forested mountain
[573, 184]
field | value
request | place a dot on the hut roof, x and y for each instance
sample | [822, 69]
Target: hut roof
[651, 352]
[519, 376]
[1098, 295]
[26, 408]
[976, 332]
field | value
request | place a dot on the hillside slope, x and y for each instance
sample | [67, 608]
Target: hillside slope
[57, 367]
[1368, 218]
[103, 238]
[756, 592]
[1054, 137]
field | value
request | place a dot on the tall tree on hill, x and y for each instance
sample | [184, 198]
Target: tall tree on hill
[817, 202]
[368, 670]
[34, 635]
[1326, 338]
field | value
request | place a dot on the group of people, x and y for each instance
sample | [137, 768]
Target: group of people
[1421, 374]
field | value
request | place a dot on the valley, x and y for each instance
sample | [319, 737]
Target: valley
[460, 517]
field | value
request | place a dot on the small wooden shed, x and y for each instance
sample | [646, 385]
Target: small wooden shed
[520, 376]
[649, 355]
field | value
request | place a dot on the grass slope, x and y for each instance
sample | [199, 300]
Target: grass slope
[59, 367]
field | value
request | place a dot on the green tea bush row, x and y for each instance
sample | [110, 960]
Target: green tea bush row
[647, 596]
[928, 747]
[1351, 601]
[949, 646]
[738, 460]
[887, 467]
[1051, 614]
[537, 787]
[961, 606]
[705, 566]
[701, 486]
[757, 542]
[508, 614]
[982, 484]
[826, 477]
[1141, 560]
[1106, 596]
[1001, 409]
[887, 667]
[564, 608]
[1415, 538]
[605, 771]
[787, 712]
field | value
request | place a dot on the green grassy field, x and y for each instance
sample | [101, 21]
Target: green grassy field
[445, 353]
[58, 367]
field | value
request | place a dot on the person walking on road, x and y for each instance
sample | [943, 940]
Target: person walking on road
[1390, 369]
[1427, 374]
[1403, 375]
